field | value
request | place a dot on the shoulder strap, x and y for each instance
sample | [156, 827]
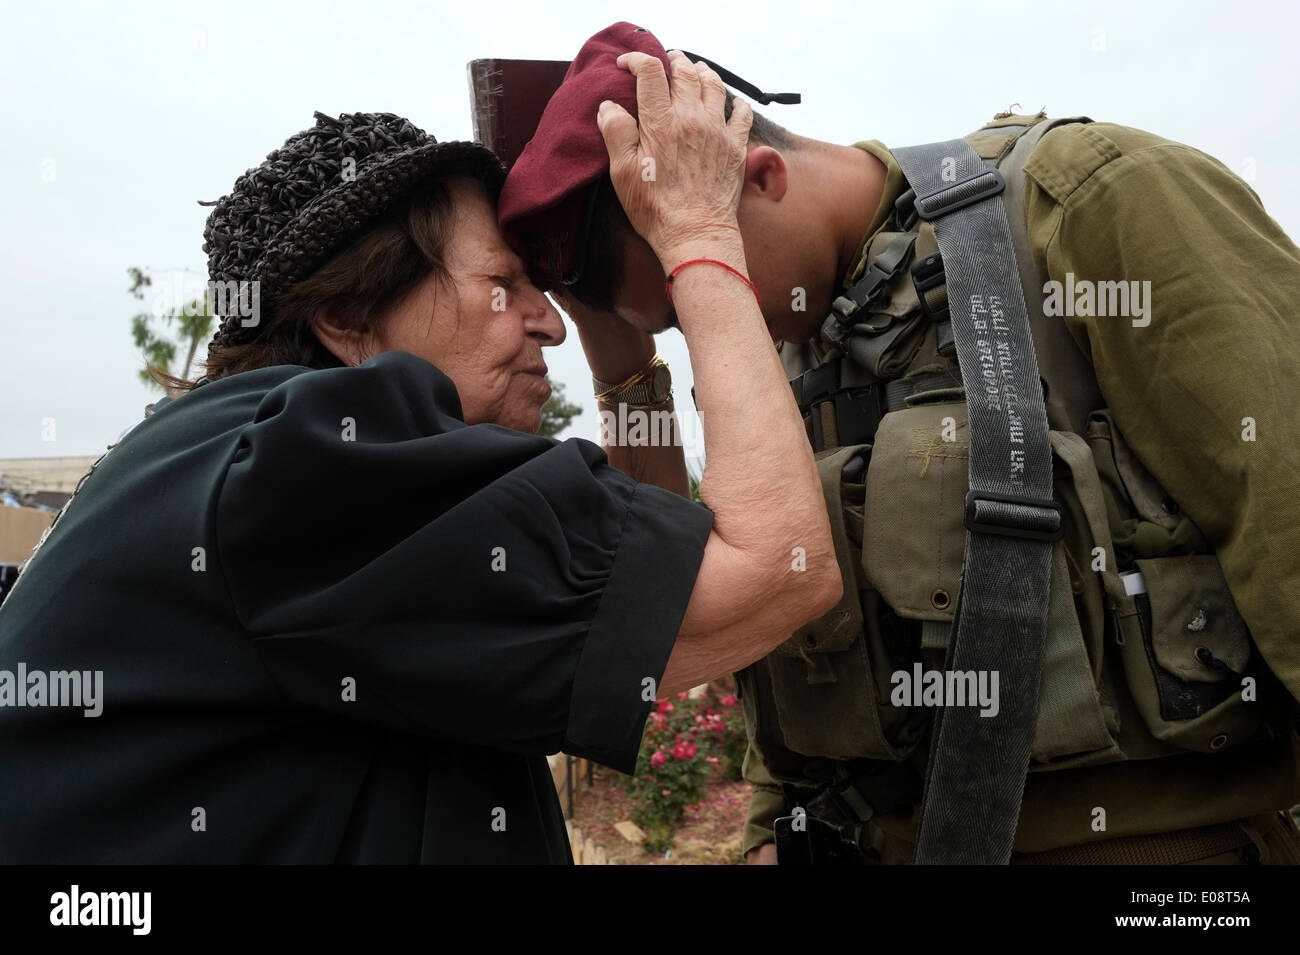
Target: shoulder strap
[975, 779]
[1074, 393]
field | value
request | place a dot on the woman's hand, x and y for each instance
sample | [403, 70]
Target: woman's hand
[678, 171]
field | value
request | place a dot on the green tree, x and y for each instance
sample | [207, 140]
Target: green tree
[159, 337]
[557, 413]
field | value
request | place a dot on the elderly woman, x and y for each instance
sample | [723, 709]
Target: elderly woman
[341, 598]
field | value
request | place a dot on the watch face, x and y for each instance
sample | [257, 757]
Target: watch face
[660, 383]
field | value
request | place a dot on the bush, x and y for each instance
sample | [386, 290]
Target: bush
[685, 743]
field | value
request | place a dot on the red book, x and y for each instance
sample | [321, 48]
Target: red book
[507, 98]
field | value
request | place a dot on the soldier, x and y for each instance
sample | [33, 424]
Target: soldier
[1098, 668]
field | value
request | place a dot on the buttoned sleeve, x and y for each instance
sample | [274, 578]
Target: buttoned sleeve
[471, 583]
[1206, 386]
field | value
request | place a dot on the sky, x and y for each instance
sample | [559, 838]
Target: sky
[118, 117]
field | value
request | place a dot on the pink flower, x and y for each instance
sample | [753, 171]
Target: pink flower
[679, 750]
[665, 706]
[711, 759]
[665, 792]
[691, 750]
[699, 719]
[728, 700]
[682, 695]
[658, 759]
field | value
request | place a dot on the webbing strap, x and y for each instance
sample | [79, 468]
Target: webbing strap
[900, 389]
[975, 779]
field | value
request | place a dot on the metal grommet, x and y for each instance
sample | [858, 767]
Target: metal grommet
[810, 641]
[1204, 656]
[1170, 506]
[1219, 741]
[940, 599]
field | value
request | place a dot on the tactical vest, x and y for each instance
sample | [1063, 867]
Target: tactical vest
[1145, 654]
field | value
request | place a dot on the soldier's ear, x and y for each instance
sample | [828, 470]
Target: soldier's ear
[766, 176]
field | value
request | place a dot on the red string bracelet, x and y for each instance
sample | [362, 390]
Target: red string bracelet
[668, 284]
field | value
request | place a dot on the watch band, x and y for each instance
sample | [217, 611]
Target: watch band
[637, 390]
[639, 396]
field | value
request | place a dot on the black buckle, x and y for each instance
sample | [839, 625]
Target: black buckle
[849, 304]
[866, 289]
[958, 195]
[857, 410]
[1042, 521]
[818, 384]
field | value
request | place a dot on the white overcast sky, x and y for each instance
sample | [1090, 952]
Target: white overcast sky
[118, 116]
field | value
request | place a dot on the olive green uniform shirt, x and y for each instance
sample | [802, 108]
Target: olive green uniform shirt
[1207, 394]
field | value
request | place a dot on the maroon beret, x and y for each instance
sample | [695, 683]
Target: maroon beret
[542, 203]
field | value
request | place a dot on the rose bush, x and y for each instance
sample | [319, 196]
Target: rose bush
[686, 742]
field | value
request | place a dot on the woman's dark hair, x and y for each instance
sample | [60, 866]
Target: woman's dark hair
[602, 271]
[373, 273]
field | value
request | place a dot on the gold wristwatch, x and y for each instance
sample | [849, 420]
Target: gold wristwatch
[650, 387]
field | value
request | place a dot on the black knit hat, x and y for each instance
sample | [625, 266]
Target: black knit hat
[290, 215]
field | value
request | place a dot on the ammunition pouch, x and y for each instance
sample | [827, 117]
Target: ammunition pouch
[1191, 666]
[913, 545]
[1179, 653]
[830, 680]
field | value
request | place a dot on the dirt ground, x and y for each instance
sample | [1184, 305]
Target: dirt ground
[709, 835]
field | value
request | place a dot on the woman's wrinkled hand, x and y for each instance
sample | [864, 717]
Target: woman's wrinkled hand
[678, 171]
